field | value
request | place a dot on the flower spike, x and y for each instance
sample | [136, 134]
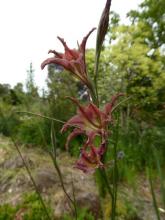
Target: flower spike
[90, 122]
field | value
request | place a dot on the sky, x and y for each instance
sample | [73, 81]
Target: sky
[29, 28]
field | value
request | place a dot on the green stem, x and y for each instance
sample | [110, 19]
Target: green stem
[115, 171]
[153, 194]
[45, 117]
[157, 158]
[54, 159]
[42, 116]
[60, 177]
[114, 184]
[94, 94]
[74, 199]
[101, 173]
[120, 103]
[31, 178]
[105, 182]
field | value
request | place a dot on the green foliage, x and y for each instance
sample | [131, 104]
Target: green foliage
[4, 92]
[30, 208]
[7, 212]
[9, 122]
[151, 13]
[35, 209]
[114, 22]
[60, 86]
[129, 212]
[126, 210]
[33, 131]
[21, 95]
[32, 90]
[75, 146]
[133, 71]
[138, 142]
[83, 214]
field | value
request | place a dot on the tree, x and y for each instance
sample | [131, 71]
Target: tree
[32, 95]
[19, 92]
[128, 66]
[152, 14]
[31, 89]
[4, 90]
[141, 76]
[60, 85]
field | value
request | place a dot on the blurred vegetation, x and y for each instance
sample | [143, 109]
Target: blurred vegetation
[132, 62]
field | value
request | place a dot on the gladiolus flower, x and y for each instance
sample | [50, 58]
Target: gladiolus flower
[91, 122]
[72, 60]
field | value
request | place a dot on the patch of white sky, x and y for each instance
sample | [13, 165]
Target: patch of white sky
[29, 29]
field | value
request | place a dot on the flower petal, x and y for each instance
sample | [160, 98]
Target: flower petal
[88, 162]
[83, 43]
[85, 112]
[69, 53]
[82, 166]
[57, 61]
[57, 54]
[75, 121]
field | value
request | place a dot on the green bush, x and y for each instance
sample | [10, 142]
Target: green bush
[34, 208]
[139, 141]
[32, 131]
[7, 212]
[9, 121]
[31, 207]
[83, 214]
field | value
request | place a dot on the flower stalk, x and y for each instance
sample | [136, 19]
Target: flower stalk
[90, 121]
[54, 159]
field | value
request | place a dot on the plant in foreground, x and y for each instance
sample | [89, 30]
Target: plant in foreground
[90, 120]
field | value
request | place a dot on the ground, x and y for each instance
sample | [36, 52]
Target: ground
[134, 199]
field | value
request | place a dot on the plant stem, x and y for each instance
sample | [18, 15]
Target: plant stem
[74, 198]
[120, 103]
[42, 116]
[31, 178]
[46, 117]
[53, 156]
[162, 187]
[115, 172]
[93, 93]
[54, 159]
[153, 194]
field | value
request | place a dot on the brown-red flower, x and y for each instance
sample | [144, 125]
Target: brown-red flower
[90, 121]
[89, 161]
[72, 60]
